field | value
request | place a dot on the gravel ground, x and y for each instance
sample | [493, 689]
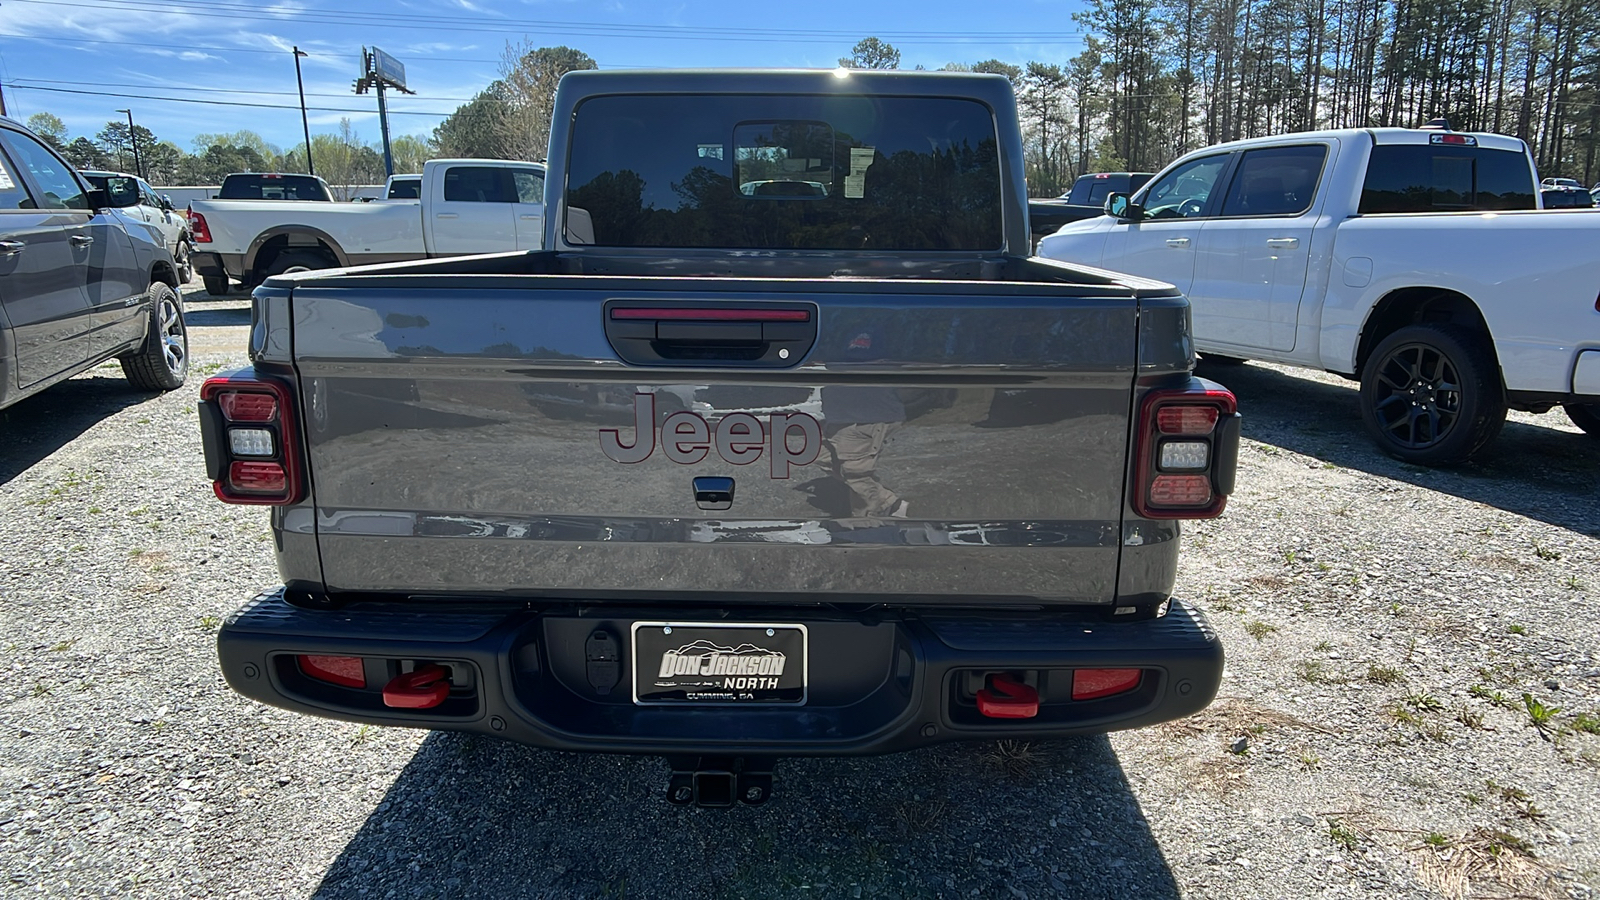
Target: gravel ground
[1392, 632]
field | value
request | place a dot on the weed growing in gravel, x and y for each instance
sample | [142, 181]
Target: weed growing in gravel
[1404, 716]
[209, 623]
[1014, 759]
[63, 645]
[1517, 629]
[1468, 717]
[1424, 701]
[1289, 557]
[1310, 761]
[1343, 836]
[1545, 553]
[95, 510]
[361, 736]
[1322, 647]
[1311, 670]
[1383, 674]
[1539, 715]
[1436, 840]
[1573, 583]
[1586, 723]
[1259, 630]
[40, 689]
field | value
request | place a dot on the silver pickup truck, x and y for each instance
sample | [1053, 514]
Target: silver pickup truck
[730, 475]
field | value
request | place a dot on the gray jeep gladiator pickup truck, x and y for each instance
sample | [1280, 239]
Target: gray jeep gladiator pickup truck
[724, 474]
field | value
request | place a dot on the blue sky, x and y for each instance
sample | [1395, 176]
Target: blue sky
[234, 52]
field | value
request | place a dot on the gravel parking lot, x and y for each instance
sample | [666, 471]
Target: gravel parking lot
[1411, 705]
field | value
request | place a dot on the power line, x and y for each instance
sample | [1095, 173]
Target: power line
[56, 90]
[589, 29]
[19, 82]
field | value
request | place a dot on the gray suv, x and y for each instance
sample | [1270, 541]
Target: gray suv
[78, 284]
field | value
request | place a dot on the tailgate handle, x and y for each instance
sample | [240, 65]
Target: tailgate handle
[766, 335]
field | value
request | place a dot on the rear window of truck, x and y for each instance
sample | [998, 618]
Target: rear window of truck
[1405, 178]
[787, 172]
[272, 187]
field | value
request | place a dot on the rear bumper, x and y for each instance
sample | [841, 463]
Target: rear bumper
[227, 265]
[879, 684]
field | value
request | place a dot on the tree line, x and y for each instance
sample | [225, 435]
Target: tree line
[342, 158]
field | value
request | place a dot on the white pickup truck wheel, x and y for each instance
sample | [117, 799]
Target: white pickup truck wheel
[1431, 395]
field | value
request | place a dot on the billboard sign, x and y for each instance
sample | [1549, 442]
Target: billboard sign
[386, 68]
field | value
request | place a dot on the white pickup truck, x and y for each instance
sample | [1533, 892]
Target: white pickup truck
[1415, 260]
[466, 206]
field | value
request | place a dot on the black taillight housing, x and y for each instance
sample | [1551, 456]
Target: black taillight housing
[247, 429]
[1186, 452]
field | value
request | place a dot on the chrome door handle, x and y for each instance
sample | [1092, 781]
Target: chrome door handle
[1289, 243]
[1177, 242]
[81, 240]
[9, 247]
[446, 215]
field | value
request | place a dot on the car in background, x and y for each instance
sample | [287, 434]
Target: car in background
[1086, 200]
[1561, 183]
[403, 187]
[1566, 198]
[138, 200]
[78, 283]
[273, 186]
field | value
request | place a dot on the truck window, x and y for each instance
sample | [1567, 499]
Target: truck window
[479, 184]
[54, 177]
[787, 172]
[1405, 178]
[529, 185]
[405, 189]
[1275, 181]
[271, 186]
[12, 194]
[1184, 192]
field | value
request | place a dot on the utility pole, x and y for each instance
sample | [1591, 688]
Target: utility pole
[383, 122]
[304, 122]
[133, 138]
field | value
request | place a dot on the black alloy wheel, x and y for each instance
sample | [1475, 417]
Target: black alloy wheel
[1431, 394]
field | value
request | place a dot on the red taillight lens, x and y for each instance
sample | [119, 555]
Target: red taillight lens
[199, 232]
[1186, 419]
[242, 407]
[1186, 452]
[1180, 490]
[341, 670]
[258, 477]
[259, 464]
[1092, 684]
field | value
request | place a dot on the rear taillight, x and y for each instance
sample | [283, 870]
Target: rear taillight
[199, 232]
[1092, 684]
[247, 427]
[345, 671]
[1186, 452]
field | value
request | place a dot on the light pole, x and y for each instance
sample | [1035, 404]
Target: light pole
[133, 138]
[304, 122]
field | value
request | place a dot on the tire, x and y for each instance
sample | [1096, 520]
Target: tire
[216, 285]
[1585, 416]
[1431, 394]
[297, 261]
[163, 362]
[185, 264]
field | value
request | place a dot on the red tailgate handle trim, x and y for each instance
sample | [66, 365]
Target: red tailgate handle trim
[714, 315]
[424, 688]
[1019, 701]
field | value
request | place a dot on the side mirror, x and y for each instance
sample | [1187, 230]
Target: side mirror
[98, 199]
[1122, 207]
[166, 202]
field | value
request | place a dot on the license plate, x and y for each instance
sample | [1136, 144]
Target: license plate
[715, 664]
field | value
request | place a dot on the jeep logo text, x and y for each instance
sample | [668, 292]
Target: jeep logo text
[795, 438]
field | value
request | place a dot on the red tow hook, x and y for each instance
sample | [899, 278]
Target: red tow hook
[1008, 699]
[423, 688]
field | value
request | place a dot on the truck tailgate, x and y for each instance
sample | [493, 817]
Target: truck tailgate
[484, 443]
